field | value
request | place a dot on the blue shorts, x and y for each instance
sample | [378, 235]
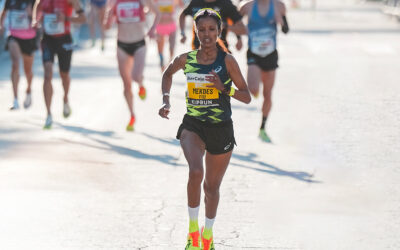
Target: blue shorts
[98, 3]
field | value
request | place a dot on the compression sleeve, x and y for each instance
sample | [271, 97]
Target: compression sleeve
[285, 25]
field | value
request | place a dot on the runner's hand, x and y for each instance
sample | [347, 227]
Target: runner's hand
[35, 24]
[183, 39]
[152, 32]
[215, 80]
[239, 44]
[164, 110]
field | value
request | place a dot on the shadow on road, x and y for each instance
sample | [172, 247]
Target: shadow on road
[170, 141]
[166, 159]
[85, 131]
[270, 169]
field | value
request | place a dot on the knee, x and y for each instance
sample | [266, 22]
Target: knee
[28, 72]
[211, 190]
[47, 76]
[267, 95]
[196, 175]
[127, 88]
[64, 76]
[15, 67]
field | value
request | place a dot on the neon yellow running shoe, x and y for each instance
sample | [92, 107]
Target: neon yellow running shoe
[263, 136]
[206, 244]
[142, 92]
[193, 242]
[130, 125]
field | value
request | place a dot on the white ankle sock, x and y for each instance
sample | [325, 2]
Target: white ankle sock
[194, 213]
[209, 223]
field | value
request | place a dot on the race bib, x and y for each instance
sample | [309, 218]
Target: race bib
[51, 26]
[128, 12]
[198, 92]
[19, 20]
[262, 42]
[165, 6]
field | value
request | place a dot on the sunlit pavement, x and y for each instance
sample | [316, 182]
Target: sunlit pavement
[328, 181]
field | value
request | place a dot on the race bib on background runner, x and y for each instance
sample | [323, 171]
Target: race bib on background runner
[262, 42]
[165, 6]
[197, 91]
[128, 12]
[19, 20]
[51, 26]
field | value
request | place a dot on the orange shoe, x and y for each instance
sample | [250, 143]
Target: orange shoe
[142, 92]
[129, 127]
[193, 242]
[206, 244]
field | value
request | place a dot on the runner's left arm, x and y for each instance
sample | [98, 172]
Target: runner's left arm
[37, 13]
[242, 92]
[80, 17]
[284, 22]
[155, 10]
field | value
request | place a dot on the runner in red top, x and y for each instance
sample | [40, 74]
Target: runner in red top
[55, 16]
[131, 51]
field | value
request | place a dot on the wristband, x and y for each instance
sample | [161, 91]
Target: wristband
[165, 94]
[232, 92]
[183, 33]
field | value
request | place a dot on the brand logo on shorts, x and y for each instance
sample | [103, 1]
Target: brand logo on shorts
[218, 69]
[227, 146]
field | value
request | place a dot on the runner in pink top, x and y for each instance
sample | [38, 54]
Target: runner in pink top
[20, 43]
[131, 51]
[166, 27]
[55, 16]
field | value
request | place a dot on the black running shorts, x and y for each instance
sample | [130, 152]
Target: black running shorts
[131, 48]
[218, 137]
[27, 46]
[61, 46]
[267, 63]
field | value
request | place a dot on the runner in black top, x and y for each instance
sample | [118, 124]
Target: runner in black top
[225, 8]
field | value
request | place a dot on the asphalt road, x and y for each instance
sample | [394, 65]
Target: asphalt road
[328, 181]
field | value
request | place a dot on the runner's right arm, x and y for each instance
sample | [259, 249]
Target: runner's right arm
[3, 15]
[80, 17]
[232, 12]
[109, 16]
[177, 64]
[186, 11]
